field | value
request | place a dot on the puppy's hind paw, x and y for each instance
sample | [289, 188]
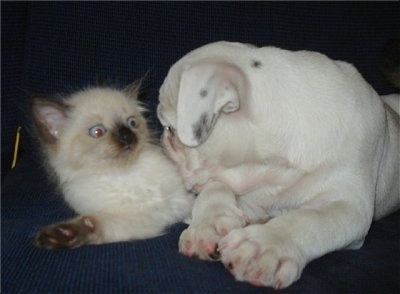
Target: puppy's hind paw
[69, 234]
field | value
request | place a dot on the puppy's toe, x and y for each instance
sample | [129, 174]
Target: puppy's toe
[259, 257]
[288, 271]
[225, 224]
[200, 242]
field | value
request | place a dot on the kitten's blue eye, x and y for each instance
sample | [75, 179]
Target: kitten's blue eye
[131, 121]
[97, 131]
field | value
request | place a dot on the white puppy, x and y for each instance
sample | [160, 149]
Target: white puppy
[293, 156]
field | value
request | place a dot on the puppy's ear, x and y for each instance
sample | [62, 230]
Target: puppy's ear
[49, 117]
[207, 88]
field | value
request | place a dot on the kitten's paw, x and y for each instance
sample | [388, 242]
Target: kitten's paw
[69, 234]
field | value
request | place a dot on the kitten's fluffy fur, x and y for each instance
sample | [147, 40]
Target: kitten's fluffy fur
[123, 187]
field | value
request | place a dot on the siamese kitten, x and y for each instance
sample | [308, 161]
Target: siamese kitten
[98, 147]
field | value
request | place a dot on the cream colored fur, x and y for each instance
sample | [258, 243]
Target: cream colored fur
[122, 193]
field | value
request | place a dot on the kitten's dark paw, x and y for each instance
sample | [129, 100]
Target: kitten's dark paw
[69, 234]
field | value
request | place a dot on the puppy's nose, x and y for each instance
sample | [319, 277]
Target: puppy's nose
[125, 136]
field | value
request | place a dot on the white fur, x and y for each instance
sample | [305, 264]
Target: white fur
[311, 146]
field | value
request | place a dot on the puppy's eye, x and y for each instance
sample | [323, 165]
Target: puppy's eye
[131, 121]
[97, 131]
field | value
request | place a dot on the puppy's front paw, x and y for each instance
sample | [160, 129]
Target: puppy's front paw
[201, 240]
[70, 234]
[260, 257]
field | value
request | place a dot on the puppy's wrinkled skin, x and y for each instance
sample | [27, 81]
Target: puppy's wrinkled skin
[293, 156]
[98, 147]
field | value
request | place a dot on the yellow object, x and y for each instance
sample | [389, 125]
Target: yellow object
[16, 147]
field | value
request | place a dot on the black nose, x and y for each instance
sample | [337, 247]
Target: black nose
[126, 136]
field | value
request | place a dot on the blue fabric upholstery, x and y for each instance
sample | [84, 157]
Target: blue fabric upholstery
[50, 47]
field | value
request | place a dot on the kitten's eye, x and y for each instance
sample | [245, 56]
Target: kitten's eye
[97, 131]
[131, 122]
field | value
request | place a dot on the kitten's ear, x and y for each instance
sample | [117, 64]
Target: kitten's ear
[49, 117]
[135, 90]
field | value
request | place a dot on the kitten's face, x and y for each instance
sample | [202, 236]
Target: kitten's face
[98, 127]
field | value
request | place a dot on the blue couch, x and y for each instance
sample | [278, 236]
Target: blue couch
[51, 47]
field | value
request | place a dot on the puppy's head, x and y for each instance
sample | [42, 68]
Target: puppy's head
[207, 88]
[95, 127]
